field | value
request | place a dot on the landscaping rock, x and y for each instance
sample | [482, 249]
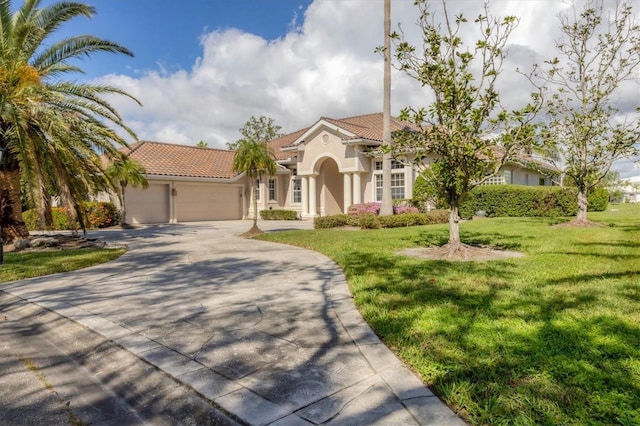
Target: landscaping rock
[92, 244]
[44, 242]
[22, 244]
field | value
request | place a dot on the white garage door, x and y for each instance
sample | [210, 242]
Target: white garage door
[207, 202]
[150, 205]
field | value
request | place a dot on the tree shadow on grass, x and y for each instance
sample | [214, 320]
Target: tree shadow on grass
[610, 256]
[500, 352]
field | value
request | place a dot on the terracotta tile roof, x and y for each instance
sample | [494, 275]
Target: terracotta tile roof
[182, 160]
[283, 141]
[367, 126]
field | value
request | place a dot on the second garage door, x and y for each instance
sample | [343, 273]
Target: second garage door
[207, 202]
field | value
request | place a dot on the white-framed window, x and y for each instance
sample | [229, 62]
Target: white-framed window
[395, 165]
[273, 189]
[397, 179]
[296, 192]
[495, 180]
[502, 178]
[397, 186]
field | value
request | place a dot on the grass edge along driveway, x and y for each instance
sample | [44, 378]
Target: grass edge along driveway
[22, 265]
[550, 338]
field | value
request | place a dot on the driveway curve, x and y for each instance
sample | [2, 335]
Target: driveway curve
[265, 331]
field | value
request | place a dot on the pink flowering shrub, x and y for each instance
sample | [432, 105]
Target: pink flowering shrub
[364, 208]
[374, 209]
[404, 209]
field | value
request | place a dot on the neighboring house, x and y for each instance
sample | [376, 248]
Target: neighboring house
[322, 170]
[631, 189]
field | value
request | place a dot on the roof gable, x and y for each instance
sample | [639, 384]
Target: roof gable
[367, 127]
[283, 141]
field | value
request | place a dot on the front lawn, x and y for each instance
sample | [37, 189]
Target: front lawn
[21, 265]
[550, 338]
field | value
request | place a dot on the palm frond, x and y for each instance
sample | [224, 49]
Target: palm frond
[75, 48]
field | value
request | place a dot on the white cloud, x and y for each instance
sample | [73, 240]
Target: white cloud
[325, 66]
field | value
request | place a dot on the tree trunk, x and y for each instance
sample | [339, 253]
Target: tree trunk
[13, 227]
[386, 207]
[123, 220]
[255, 204]
[582, 206]
[454, 230]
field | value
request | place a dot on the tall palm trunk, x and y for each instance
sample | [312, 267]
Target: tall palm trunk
[13, 227]
[386, 207]
[123, 188]
[255, 203]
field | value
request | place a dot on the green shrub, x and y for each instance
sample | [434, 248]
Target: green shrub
[99, 215]
[30, 218]
[59, 215]
[403, 220]
[334, 221]
[414, 219]
[527, 201]
[437, 216]
[369, 221]
[520, 201]
[425, 191]
[372, 221]
[597, 200]
[278, 214]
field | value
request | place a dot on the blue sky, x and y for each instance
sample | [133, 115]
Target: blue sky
[167, 33]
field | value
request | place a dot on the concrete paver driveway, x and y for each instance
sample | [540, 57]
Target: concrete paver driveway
[265, 331]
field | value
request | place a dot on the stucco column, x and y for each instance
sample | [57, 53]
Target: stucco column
[408, 182]
[347, 191]
[357, 189]
[305, 195]
[313, 210]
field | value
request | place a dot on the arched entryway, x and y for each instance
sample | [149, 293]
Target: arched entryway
[330, 194]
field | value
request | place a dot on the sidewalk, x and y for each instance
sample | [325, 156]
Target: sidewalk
[264, 331]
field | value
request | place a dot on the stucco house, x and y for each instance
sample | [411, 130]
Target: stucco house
[631, 189]
[322, 170]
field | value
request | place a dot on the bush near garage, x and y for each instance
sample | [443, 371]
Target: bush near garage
[101, 215]
[278, 215]
[98, 214]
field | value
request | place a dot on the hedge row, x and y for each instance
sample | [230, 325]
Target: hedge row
[278, 214]
[98, 214]
[372, 221]
[527, 201]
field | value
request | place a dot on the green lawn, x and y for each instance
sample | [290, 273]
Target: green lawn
[550, 338]
[23, 265]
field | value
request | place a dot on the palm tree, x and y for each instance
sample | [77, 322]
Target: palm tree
[254, 158]
[53, 131]
[123, 172]
[386, 206]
